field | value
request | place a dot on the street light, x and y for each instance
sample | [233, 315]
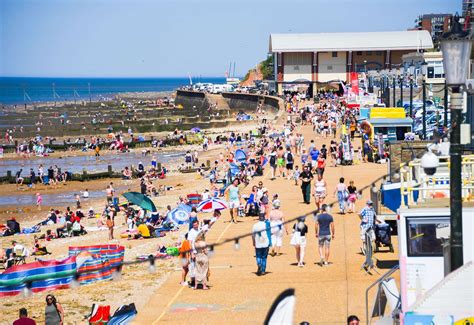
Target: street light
[411, 70]
[424, 70]
[456, 47]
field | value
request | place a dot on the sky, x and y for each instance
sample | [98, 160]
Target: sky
[171, 38]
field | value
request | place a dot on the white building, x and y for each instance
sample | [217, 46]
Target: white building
[312, 59]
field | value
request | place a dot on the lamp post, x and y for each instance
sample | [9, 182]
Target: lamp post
[423, 85]
[411, 69]
[394, 90]
[401, 91]
[445, 104]
[456, 47]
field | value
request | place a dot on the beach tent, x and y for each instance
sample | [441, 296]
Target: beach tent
[240, 156]
[38, 276]
[141, 200]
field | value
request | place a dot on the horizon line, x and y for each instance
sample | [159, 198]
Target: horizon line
[117, 77]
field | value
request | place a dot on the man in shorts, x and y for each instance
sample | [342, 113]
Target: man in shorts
[233, 197]
[324, 229]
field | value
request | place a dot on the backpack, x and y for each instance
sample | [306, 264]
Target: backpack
[289, 158]
[273, 160]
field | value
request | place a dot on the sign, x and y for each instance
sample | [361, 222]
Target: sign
[387, 112]
[354, 83]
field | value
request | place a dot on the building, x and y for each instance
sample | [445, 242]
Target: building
[468, 14]
[434, 65]
[318, 59]
[435, 24]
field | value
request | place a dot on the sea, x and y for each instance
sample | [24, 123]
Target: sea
[16, 90]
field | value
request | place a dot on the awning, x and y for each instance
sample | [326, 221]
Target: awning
[391, 122]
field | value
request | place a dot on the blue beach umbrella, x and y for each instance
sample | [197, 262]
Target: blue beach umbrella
[179, 216]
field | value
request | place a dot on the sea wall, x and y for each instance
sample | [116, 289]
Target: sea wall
[190, 99]
[250, 101]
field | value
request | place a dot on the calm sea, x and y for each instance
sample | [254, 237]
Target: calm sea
[31, 90]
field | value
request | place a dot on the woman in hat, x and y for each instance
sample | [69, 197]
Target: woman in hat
[277, 224]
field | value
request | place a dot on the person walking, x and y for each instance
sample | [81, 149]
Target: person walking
[341, 192]
[273, 163]
[233, 196]
[324, 230]
[298, 240]
[320, 191]
[352, 197]
[54, 313]
[110, 225]
[306, 177]
[261, 238]
[277, 224]
[39, 200]
[367, 221]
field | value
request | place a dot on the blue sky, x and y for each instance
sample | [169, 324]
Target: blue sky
[145, 38]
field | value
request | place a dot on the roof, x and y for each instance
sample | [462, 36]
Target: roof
[379, 122]
[454, 295]
[366, 41]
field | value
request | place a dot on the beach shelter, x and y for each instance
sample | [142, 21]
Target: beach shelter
[179, 216]
[212, 204]
[240, 156]
[185, 207]
[141, 200]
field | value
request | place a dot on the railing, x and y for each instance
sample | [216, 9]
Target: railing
[413, 180]
[379, 281]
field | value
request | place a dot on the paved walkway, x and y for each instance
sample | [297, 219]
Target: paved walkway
[324, 295]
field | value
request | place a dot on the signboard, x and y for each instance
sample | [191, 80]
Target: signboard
[387, 112]
[354, 83]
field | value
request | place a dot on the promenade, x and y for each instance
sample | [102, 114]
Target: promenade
[324, 295]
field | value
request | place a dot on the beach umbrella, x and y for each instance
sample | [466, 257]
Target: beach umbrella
[196, 130]
[141, 200]
[178, 216]
[212, 204]
[185, 207]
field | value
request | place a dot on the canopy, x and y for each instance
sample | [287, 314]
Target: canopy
[141, 200]
[212, 204]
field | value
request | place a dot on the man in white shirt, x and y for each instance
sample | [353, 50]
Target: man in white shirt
[261, 241]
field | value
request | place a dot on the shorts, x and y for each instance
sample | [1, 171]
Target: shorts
[280, 162]
[314, 163]
[234, 204]
[324, 240]
[319, 194]
[277, 233]
[289, 166]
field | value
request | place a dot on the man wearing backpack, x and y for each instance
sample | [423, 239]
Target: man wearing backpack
[289, 161]
[273, 163]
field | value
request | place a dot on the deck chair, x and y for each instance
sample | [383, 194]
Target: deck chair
[19, 256]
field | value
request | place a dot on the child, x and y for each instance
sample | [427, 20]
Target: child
[296, 174]
[78, 200]
[39, 200]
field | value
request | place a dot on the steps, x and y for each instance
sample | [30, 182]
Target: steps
[219, 100]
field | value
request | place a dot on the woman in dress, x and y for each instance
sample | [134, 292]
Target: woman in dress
[201, 271]
[298, 239]
[341, 192]
[54, 313]
[352, 196]
[320, 191]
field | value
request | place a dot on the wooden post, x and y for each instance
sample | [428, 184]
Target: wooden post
[208, 163]
[9, 175]
[109, 169]
[84, 174]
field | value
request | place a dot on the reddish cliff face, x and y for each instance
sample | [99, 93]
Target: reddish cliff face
[253, 75]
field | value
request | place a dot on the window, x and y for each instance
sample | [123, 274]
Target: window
[368, 53]
[297, 58]
[334, 54]
[329, 67]
[359, 53]
[379, 53]
[425, 236]
[279, 59]
[435, 70]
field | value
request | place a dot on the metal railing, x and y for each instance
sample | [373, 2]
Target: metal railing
[413, 180]
[378, 282]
